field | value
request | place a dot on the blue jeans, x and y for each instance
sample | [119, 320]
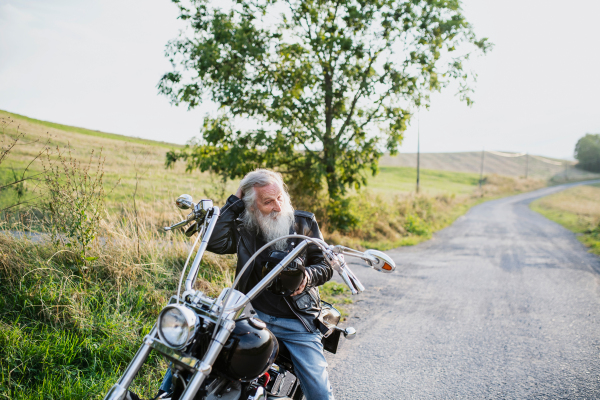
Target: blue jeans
[306, 350]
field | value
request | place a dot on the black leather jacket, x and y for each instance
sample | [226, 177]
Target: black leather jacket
[230, 237]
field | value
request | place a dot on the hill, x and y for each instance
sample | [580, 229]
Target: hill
[535, 166]
[136, 166]
[129, 161]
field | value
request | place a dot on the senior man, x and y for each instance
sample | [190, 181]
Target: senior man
[258, 213]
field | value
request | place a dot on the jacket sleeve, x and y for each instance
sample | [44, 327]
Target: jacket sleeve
[223, 238]
[317, 269]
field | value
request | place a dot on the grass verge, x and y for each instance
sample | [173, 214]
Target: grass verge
[336, 294]
[577, 209]
[68, 332]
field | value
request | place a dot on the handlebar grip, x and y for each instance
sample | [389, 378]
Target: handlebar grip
[177, 225]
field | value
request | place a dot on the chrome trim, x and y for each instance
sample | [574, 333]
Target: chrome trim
[379, 259]
[349, 333]
[236, 298]
[208, 360]
[188, 362]
[259, 395]
[206, 204]
[338, 263]
[191, 277]
[190, 318]
[184, 202]
[117, 392]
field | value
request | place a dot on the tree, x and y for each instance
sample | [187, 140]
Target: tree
[587, 152]
[316, 89]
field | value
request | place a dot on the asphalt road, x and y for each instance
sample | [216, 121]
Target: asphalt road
[502, 304]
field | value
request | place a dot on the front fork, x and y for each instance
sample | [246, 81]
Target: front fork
[201, 369]
[119, 390]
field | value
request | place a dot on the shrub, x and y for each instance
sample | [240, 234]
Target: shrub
[587, 152]
[416, 225]
[75, 200]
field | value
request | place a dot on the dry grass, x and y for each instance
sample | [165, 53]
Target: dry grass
[577, 209]
[581, 200]
[493, 164]
[127, 162]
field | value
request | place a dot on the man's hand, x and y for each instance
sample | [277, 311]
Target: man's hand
[239, 194]
[302, 285]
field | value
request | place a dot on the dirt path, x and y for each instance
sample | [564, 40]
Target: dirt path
[502, 304]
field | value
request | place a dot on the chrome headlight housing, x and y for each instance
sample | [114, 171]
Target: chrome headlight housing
[176, 325]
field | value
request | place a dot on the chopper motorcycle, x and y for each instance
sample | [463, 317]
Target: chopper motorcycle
[217, 348]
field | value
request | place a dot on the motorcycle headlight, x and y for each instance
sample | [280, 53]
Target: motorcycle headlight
[176, 325]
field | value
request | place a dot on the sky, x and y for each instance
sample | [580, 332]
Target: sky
[96, 64]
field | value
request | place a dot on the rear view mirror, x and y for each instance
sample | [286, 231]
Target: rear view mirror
[184, 202]
[380, 261]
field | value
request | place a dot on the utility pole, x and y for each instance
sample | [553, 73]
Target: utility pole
[418, 151]
[481, 174]
[526, 165]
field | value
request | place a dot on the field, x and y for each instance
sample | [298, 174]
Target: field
[129, 161]
[577, 209]
[135, 167]
[69, 325]
[533, 166]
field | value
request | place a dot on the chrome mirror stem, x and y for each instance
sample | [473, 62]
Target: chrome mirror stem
[191, 277]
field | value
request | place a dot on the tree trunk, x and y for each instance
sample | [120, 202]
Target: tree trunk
[329, 148]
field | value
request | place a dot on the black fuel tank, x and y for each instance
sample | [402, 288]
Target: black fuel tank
[249, 351]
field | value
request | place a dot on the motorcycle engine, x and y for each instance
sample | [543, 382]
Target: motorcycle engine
[282, 383]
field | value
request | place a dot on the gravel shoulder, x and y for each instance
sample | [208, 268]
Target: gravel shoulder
[502, 304]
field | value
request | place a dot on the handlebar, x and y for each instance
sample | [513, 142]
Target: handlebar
[199, 212]
[204, 213]
[179, 224]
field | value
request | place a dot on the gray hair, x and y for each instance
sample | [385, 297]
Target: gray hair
[258, 178]
[277, 223]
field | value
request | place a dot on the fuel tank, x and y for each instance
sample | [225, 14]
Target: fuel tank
[249, 351]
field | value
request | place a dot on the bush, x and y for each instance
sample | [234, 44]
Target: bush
[75, 200]
[587, 152]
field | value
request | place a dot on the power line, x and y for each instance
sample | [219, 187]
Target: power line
[418, 151]
[481, 173]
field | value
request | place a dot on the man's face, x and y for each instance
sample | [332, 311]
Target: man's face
[269, 198]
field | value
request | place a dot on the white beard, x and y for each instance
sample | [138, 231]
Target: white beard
[273, 226]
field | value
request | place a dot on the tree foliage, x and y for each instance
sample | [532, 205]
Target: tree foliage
[316, 89]
[587, 152]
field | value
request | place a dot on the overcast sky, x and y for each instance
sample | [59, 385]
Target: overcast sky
[95, 64]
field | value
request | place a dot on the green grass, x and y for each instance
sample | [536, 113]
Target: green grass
[577, 209]
[90, 132]
[394, 180]
[336, 294]
[69, 333]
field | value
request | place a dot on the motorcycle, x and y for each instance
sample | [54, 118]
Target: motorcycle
[217, 348]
